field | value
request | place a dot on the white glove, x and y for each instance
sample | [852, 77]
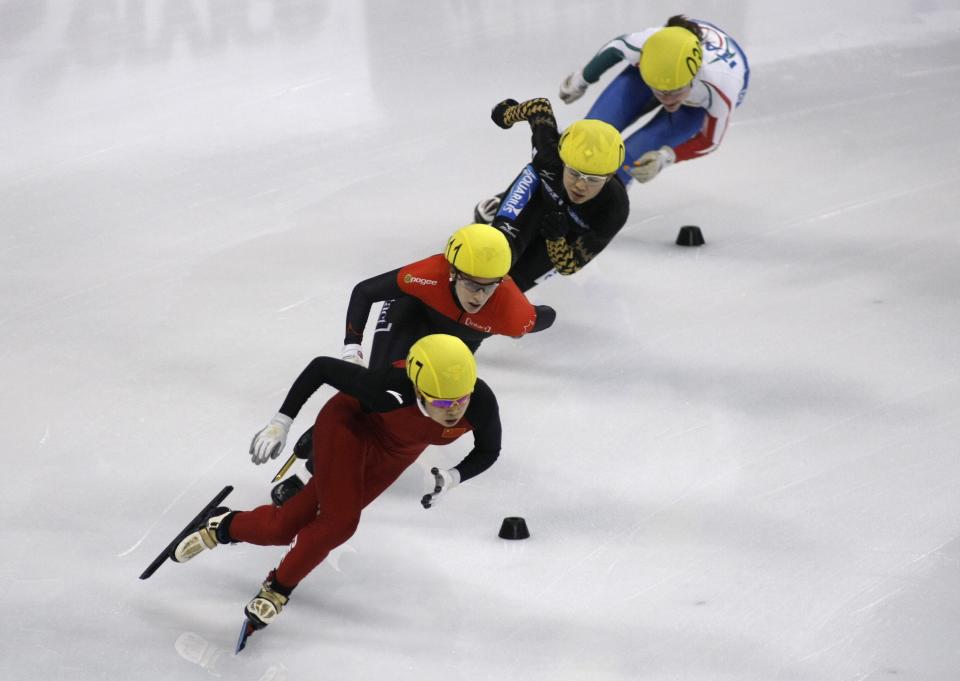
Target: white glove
[353, 353]
[268, 443]
[572, 87]
[651, 163]
[443, 481]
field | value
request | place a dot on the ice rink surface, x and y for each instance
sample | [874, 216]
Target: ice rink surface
[736, 462]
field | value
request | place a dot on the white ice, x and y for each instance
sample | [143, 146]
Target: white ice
[736, 462]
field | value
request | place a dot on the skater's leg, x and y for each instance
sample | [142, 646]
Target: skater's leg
[624, 100]
[271, 525]
[340, 446]
[664, 129]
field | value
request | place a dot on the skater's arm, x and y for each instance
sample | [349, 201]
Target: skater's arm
[538, 112]
[570, 255]
[719, 112]
[365, 294]
[546, 316]
[573, 238]
[565, 256]
[512, 215]
[484, 415]
[622, 48]
[367, 385]
[519, 316]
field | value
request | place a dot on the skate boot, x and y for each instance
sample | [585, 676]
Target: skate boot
[211, 532]
[268, 604]
[303, 449]
[285, 489]
[486, 210]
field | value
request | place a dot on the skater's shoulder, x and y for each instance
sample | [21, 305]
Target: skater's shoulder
[386, 388]
[484, 397]
[423, 274]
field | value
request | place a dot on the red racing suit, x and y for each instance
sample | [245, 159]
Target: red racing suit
[365, 436]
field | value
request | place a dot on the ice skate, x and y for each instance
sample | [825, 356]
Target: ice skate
[285, 489]
[204, 537]
[210, 509]
[265, 607]
[262, 610]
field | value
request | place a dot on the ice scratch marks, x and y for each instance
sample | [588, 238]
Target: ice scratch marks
[152, 525]
[291, 306]
[173, 502]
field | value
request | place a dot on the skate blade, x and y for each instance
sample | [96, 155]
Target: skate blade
[171, 547]
[246, 630]
[283, 469]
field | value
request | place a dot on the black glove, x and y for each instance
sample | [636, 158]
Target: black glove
[555, 224]
[499, 113]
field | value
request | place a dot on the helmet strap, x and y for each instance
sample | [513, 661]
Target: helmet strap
[421, 403]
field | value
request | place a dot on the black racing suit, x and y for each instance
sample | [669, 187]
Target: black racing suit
[537, 203]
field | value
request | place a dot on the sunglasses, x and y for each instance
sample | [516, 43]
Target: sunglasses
[445, 404]
[590, 180]
[475, 286]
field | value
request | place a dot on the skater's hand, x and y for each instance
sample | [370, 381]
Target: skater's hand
[651, 163]
[268, 442]
[352, 353]
[443, 481]
[572, 87]
[555, 224]
[500, 111]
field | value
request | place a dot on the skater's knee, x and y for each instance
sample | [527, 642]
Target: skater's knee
[282, 530]
[340, 530]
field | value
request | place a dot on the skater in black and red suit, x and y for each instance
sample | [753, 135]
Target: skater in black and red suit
[366, 436]
[464, 291]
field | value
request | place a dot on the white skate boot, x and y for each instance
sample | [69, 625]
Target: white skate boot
[204, 537]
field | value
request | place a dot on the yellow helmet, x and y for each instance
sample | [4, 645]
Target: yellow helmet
[479, 251]
[442, 366]
[592, 147]
[670, 59]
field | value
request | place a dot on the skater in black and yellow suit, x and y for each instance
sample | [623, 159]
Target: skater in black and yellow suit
[567, 204]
